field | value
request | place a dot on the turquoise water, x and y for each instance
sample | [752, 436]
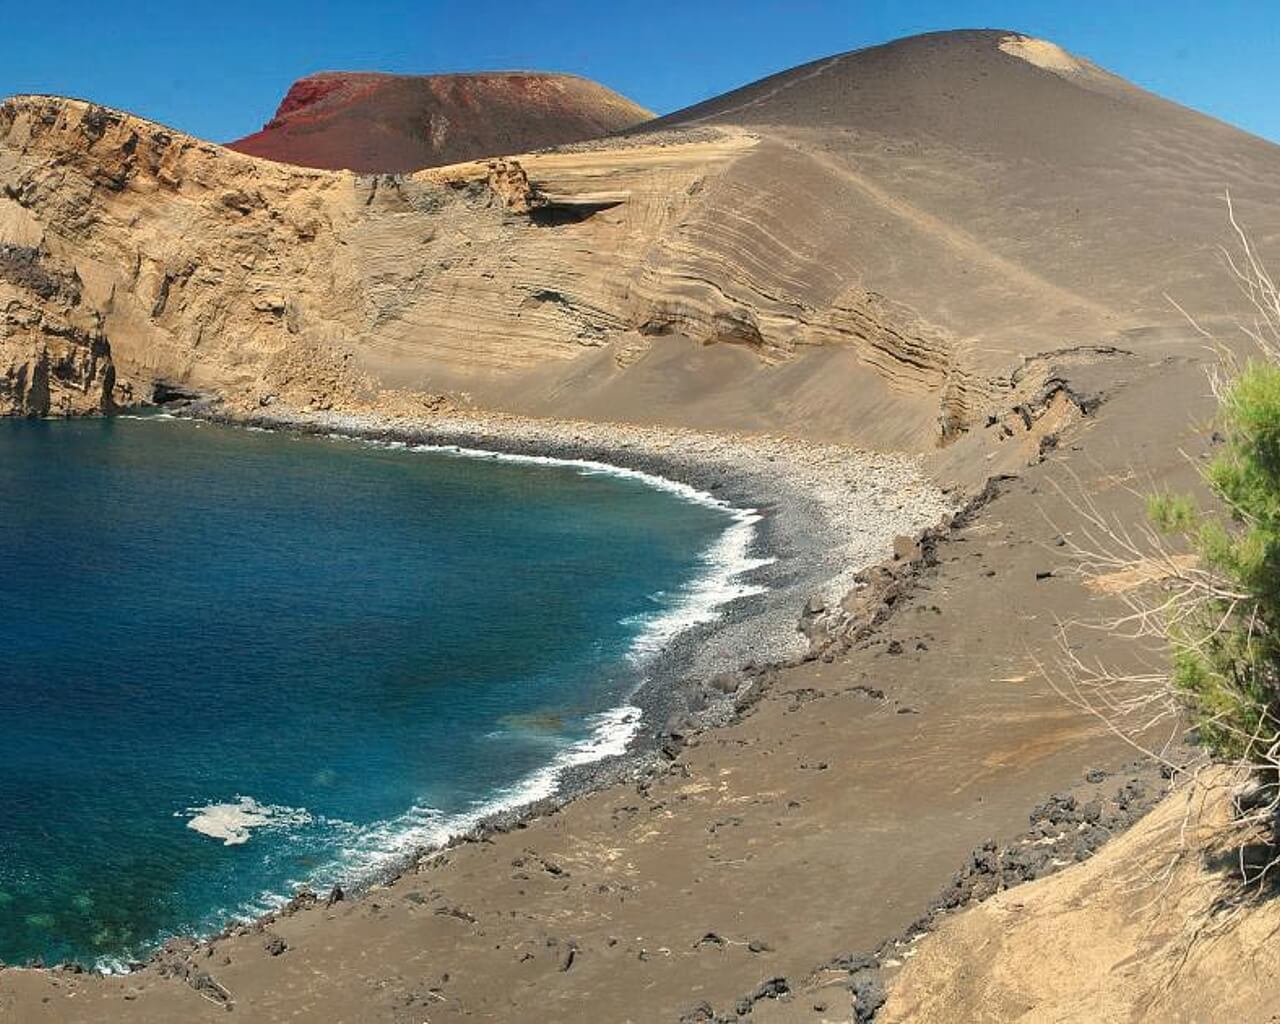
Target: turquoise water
[233, 661]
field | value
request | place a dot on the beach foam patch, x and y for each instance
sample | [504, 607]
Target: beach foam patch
[234, 823]
[374, 847]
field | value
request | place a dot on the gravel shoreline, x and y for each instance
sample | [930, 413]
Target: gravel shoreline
[827, 513]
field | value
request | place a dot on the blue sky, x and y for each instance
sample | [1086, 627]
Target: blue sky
[217, 70]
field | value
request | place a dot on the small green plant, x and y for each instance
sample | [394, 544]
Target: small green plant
[1198, 585]
[1226, 636]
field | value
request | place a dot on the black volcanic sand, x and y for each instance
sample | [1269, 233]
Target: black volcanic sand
[824, 822]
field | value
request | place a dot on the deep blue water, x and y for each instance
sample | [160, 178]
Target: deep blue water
[340, 647]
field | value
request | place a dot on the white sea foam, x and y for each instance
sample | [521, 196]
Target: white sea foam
[366, 850]
[724, 563]
[371, 848]
[704, 598]
[233, 823]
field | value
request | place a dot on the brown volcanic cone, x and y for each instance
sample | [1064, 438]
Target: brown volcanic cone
[380, 123]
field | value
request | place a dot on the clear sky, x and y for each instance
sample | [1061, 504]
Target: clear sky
[218, 69]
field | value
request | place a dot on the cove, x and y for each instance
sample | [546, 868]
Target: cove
[234, 661]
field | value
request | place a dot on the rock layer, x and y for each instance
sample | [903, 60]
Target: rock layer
[54, 358]
[898, 247]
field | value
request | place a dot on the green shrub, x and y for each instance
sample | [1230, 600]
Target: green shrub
[1226, 634]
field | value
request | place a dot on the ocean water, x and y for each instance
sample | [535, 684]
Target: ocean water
[234, 661]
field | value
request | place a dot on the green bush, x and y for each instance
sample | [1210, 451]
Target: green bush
[1226, 632]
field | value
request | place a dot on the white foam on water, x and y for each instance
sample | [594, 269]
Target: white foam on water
[724, 563]
[369, 849]
[372, 848]
[704, 598]
[234, 823]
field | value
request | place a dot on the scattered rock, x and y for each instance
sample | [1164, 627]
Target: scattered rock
[275, 945]
[1253, 795]
[204, 983]
[906, 549]
[774, 988]
[725, 682]
[1059, 809]
[868, 995]
[455, 912]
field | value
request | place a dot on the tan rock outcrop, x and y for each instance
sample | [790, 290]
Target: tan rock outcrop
[898, 247]
[1153, 928]
[54, 358]
[251, 279]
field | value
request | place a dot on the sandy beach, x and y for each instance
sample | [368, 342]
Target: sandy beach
[862, 777]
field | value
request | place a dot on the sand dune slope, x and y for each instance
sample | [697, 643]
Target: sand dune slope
[898, 246]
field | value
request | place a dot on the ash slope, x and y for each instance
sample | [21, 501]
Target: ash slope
[1088, 197]
[393, 124]
[901, 247]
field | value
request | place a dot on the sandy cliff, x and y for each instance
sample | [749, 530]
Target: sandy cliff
[536, 286]
[55, 357]
[1156, 928]
[895, 246]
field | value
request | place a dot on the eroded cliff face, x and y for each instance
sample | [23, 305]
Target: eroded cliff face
[707, 277]
[54, 358]
[905, 247]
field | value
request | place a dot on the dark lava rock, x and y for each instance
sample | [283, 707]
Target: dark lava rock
[868, 996]
[275, 945]
[1132, 795]
[774, 988]
[702, 1013]
[1059, 809]
[854, 962]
